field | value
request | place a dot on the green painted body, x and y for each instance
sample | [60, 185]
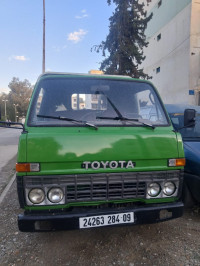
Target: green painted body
[62, 150]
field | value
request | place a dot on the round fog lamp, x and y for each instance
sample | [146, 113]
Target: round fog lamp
[153, 189]
[36, 195]
[169, 188]
[55, 195]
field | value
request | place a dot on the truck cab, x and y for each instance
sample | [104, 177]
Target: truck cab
[97, 150]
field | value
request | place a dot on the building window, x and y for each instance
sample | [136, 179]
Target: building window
[159, 37]
[94, 106]
[157, 70]
[95, 97]
[159, 3]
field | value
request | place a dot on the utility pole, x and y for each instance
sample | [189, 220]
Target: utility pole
[15, 105]
[43, 60]
[5, 109]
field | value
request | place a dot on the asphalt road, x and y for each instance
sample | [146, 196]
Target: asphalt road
[8, 150]
[8, 144]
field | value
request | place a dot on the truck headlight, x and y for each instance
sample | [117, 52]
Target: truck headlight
[153, 189]
[36, 195]
[55, 195]
[169, 188]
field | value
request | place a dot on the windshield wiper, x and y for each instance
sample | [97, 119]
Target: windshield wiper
[112, 104]
[69, 119]
[121, 118]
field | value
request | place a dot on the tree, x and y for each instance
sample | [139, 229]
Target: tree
[16, 101]
[126, 39]
[19, 95]
[3, 104]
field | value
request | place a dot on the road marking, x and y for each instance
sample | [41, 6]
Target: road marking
[5, 191]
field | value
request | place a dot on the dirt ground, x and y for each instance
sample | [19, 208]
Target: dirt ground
[175, 242]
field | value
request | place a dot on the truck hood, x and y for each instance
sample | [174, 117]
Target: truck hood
[64, 150]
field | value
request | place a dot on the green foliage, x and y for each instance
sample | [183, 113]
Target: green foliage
[126, 40]
[20, 94]
[17, 99]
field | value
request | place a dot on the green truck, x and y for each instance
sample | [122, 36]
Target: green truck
[97, 150]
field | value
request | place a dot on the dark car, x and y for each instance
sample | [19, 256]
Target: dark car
[191, 141]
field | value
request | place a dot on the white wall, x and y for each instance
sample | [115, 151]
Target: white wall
[195, 51]
[172, 54]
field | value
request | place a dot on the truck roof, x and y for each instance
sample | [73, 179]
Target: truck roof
[46, 74]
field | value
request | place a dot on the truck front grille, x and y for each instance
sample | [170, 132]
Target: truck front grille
[104, 188]
[98, 187]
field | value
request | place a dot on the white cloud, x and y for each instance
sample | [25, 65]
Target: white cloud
[58, 49]
[18, 58]
[84, 14]
[80, 17]
[77, 36]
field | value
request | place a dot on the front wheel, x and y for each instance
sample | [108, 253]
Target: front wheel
[188, 200]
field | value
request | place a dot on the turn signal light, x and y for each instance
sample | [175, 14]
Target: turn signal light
[180, 162]
[27, 167]
[176, 162]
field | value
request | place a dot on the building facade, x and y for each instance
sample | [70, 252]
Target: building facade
[173, 53]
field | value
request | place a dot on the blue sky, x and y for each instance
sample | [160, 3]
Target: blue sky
[72, 28]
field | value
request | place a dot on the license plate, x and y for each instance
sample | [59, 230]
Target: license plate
[106, 220]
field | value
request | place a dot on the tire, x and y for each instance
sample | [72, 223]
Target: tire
[188, 200]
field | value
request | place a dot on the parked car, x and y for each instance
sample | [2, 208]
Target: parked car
[191, 142]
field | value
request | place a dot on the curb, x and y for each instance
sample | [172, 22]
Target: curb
[5, 191]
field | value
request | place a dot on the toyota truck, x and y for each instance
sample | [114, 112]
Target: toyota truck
[97, 150]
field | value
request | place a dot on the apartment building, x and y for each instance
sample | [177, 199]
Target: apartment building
[173, 53]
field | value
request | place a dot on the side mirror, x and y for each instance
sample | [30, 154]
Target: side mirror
[189, 117]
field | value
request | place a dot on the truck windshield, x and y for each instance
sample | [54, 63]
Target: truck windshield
[96, 101]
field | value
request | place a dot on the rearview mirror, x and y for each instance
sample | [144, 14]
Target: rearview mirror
[13, 125]
[189, 117]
